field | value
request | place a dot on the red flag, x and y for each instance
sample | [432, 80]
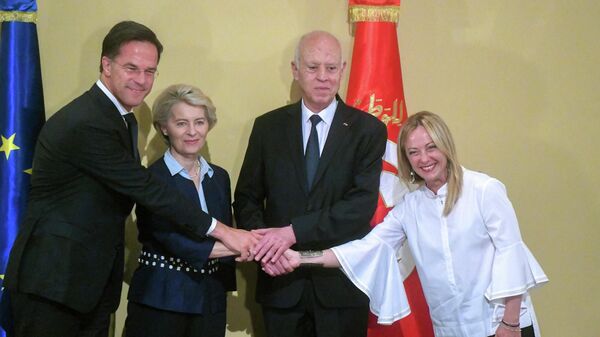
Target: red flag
[375, 86]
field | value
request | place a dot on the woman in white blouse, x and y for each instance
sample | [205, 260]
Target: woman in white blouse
[464, 237]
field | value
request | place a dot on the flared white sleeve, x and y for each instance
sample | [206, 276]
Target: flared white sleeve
[514, 269]
[371, 264]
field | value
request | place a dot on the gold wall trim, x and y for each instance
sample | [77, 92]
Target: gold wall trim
[18, 16]
[374, 13]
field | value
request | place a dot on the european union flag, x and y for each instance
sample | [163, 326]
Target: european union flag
[21, 115]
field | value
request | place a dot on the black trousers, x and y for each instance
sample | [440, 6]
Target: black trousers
[37, 316]
[525, 332]
[145, 321]
[311, 319]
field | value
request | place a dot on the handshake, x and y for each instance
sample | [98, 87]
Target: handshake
[269, 246]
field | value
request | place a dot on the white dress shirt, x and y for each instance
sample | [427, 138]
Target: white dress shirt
[468, 262]
[322, 128]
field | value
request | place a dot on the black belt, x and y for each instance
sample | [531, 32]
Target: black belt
[175, 263]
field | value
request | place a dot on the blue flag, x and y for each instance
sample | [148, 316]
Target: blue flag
[21, 116]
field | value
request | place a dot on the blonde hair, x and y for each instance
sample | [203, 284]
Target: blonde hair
[188, 94]
[442, 138]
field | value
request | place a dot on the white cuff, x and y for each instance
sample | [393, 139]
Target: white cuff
[213, 224]
[372, 266]
[515, 271]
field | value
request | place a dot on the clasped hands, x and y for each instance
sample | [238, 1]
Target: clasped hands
[271, 250]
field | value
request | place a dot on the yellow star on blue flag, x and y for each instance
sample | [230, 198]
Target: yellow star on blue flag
[8, 144]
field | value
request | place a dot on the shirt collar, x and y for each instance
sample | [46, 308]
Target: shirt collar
[325, 114]
[176, 168]
[112, 98]
[441, 193]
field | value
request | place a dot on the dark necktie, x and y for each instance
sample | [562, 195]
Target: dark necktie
[133, 133]
[311, 156]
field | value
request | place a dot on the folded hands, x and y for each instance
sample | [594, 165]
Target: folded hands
[271, 248]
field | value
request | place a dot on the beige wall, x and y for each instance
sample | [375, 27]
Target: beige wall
[517, 81]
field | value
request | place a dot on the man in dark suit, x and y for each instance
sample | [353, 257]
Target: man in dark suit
[65, 269]
[310, 180]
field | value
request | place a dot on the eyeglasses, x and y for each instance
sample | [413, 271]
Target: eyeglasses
[132, 70]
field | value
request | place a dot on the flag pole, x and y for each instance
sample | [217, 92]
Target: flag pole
[21, 118]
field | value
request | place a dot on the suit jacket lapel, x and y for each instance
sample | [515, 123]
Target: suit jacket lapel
[295, 146]
[113, 115]
[212, 197]
[338, 132]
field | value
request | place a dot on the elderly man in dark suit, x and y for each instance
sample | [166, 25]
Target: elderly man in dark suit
[310, 179]
[65, 269]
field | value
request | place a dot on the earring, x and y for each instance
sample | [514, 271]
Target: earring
[412, 177]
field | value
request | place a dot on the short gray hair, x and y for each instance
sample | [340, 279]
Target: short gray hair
[188, 94]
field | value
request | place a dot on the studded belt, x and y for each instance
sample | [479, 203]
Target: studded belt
[174, 263]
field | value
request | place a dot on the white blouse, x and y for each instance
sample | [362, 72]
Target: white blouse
[467, 262]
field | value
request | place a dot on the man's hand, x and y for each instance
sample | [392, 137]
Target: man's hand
[237, 240]
[274, 243]
[287, 263]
